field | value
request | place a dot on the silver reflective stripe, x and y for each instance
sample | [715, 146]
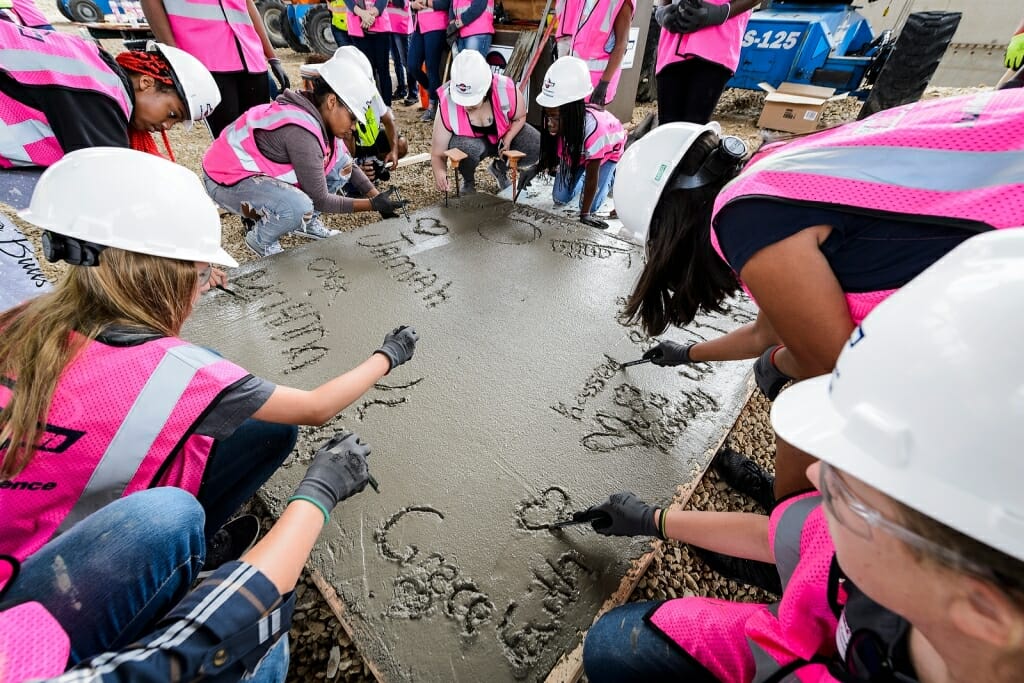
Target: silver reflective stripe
[912, 168]
[203, 11]
[238, 134]
[14, 138]
[453, 114]
[597, 64]
[503, 97]
[595, 147]
[14, 61]
[765, 665]
[139, 429]
[787, 536]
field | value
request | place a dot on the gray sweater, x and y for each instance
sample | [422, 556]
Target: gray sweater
[298, 147]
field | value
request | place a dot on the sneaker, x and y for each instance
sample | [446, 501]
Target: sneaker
[428, 115]
[410, 100]
[745, 476]
[400, 94]
[764, 575]
[315, 229]
[258, 249]
[230, 542]
[501, 175]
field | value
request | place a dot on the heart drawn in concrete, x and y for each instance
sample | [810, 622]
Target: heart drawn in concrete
[551, 506]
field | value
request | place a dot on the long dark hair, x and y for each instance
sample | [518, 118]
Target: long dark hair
[683, 274]
[571, 134]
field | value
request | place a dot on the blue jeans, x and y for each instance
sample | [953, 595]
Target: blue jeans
[481, 43]
[426, 48]
[400, 56]
[240, 465]
[564, 192]
[110, 577]
[377, 48]
[273, 668]
[278, 207]
[622, 646]
[341, 38]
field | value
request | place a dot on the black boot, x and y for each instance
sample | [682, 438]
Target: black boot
[763, 575]
[745, 476]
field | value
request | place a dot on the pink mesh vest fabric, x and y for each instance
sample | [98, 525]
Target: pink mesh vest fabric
[29, 14]
[234, 155]
[101, 415]
[719, 44]
[608, 138]
[219, 33]
[479, 26]
[503, 102]
[32, 644]
[400, 18]
[592, 35]
[430, 20]
[973, 140]
[382, 24]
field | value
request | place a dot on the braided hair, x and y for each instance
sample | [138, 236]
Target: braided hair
[566, 150]
[156, 67]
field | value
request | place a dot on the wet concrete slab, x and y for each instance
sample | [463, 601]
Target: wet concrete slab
[512, 414]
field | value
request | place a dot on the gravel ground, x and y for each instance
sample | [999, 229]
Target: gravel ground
[321, 650]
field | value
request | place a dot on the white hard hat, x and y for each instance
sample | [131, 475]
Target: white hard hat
[193, 81]
[357, 57]
[351, 88]
[645, 169]
[926, 403]
[129, 200]
[567, 80]
[471, 78]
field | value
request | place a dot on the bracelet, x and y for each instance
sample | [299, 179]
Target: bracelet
[318, 504]
[661, 524]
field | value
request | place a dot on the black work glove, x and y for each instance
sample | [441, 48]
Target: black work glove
[338, 471]
[697, 14]
[451, 34]
[667, 16]
[769, 378]
[399, 345]
[386, 204]
[669, 354]
[593, 222]
[279, 74]
[600, 94]
[626, 515]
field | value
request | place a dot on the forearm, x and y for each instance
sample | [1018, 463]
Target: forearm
[392, 130]
[590, 188]
[156, 17]
[621, 29]
[514, 127]
[261, 31]
[748, 341]
[282, 553]
[473, 12]
[739, 534]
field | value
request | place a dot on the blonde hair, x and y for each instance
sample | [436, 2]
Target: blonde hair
[37, 344]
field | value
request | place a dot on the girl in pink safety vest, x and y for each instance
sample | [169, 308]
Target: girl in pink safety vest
[818, 231]
[27, 14]
[473, 24]
[229, 38]
[426, 47]
[483, 114]
[597, 32]
[698, 50]
[909, 565]
[401, 18]
[99, 395]
[281, 164]
[369, 26]
[583, 144]
[49, 110]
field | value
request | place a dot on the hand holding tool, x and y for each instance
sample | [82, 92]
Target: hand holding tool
[455, 155]
[338, 471]
[669, 354]
[399, 345]
[627, 515]
[623, 366]
[589, 516]
[229, 291]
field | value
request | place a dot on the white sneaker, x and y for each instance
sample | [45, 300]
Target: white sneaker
[315, 229]
[256, 248]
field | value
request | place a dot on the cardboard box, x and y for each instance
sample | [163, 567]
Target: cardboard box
[793, 107]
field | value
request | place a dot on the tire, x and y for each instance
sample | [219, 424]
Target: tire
[294, 42]
[85, 11]
[273, 13]
[913, 60]
[63, 9]
[647, 87]
[317, 27]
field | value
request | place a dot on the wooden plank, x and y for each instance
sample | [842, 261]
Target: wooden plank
[338, 607]
[569, 668]
[413, 159]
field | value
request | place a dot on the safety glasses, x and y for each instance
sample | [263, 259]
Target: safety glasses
[204, 275]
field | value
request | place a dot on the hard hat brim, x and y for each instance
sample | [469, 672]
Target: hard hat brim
[466, 100]
[318, 69]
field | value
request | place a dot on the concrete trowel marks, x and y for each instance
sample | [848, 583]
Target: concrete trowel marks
[512, 415]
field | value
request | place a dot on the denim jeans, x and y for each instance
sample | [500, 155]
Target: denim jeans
[564, 192]
[240, 465]
[273, 668]
[377, 48]
[427, 48]
[110, 577]
[341, 38]
[400, 58]
[481, 43]
[280, 207]
[622, 646]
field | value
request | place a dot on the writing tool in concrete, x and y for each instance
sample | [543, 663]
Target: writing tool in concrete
[634, 362]
[229, 291]
[373, 483]
[602, 518]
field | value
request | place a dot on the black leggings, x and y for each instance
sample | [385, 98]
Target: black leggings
[377, 48]
[240, 91]
[689, 90]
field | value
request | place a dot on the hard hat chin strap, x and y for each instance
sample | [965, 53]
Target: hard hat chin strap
[728, 155]
[74, 251]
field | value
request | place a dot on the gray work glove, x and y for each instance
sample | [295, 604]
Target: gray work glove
[668, 354]
[279, 74]
[769, 378]
[593, 221]
[338, 471]
[386, 204]
[599, 97]
[627, 515]
[697, 14]
[399, 345]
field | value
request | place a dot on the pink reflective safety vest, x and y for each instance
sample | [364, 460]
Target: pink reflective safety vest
[382, 24]
[234, 156]
[605, 136]
[719, 44]
[219, 33]
[121, 420]
[428, 20]
[590, 26]
[28, 13]
[399, 17]
[955, 161]
[503, 102]
[479, 26]
[49, 59]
